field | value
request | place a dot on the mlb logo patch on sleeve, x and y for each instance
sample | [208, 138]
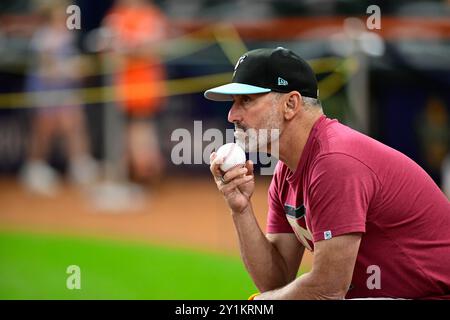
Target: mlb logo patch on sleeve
[327, 235]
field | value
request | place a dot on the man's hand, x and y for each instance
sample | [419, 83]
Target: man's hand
[236, 185]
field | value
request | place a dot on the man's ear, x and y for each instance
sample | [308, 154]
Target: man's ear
[292, 104]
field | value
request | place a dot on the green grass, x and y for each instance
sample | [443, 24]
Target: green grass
[33, 266]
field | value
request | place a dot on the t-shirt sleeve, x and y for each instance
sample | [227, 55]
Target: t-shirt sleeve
[339, 196]
[276, 217]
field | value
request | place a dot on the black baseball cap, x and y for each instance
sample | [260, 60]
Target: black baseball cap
[266, 70]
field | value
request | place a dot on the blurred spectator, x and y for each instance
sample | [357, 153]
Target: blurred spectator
[137, 27]
[57, 108]
[434, 136]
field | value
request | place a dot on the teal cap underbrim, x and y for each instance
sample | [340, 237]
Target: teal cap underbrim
[225, 92]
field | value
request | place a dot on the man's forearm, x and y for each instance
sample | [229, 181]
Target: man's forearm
[330, 276]
[305, 287]
[263, 261]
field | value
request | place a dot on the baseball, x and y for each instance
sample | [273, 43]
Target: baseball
[232, 155]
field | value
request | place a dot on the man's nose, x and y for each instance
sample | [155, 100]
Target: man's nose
[234, 115]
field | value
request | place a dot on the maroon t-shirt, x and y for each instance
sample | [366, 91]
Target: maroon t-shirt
[347, 182]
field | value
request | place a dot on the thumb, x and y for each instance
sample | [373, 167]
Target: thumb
[249, 166]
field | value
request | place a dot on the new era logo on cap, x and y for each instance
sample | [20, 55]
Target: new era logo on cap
[282, 82]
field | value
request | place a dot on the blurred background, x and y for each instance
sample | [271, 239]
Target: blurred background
[92, 91]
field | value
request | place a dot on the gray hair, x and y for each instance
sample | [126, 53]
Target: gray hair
[307, 101]
[311, 102]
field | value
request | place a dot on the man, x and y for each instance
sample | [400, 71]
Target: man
[376, 222]
[137, 26]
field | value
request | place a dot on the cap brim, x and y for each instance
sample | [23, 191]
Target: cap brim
[225, 92]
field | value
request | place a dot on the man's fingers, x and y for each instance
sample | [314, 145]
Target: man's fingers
[232, 178]
[226, 188]
[214, 159]
[249, 166]
[215, 165]
[233, 173]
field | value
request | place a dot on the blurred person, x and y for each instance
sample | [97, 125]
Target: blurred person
[57, 109]
[376, 223]
[433, 132]
[136, 28]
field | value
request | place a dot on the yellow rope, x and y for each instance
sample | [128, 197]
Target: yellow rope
[232, 45]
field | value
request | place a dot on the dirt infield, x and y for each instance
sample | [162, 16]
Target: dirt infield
[183, 211]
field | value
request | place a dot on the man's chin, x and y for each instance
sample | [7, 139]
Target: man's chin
[254, 143]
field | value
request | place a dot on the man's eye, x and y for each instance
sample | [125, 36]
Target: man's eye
[246, 99]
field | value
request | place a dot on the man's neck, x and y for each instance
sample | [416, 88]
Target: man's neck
[293, 141]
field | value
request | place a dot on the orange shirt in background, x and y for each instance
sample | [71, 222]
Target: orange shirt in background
[139, 79]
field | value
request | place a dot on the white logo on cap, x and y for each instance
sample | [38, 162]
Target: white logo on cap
[282, 82]
[238, 63]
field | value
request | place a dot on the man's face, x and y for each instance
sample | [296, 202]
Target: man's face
[257, 119]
